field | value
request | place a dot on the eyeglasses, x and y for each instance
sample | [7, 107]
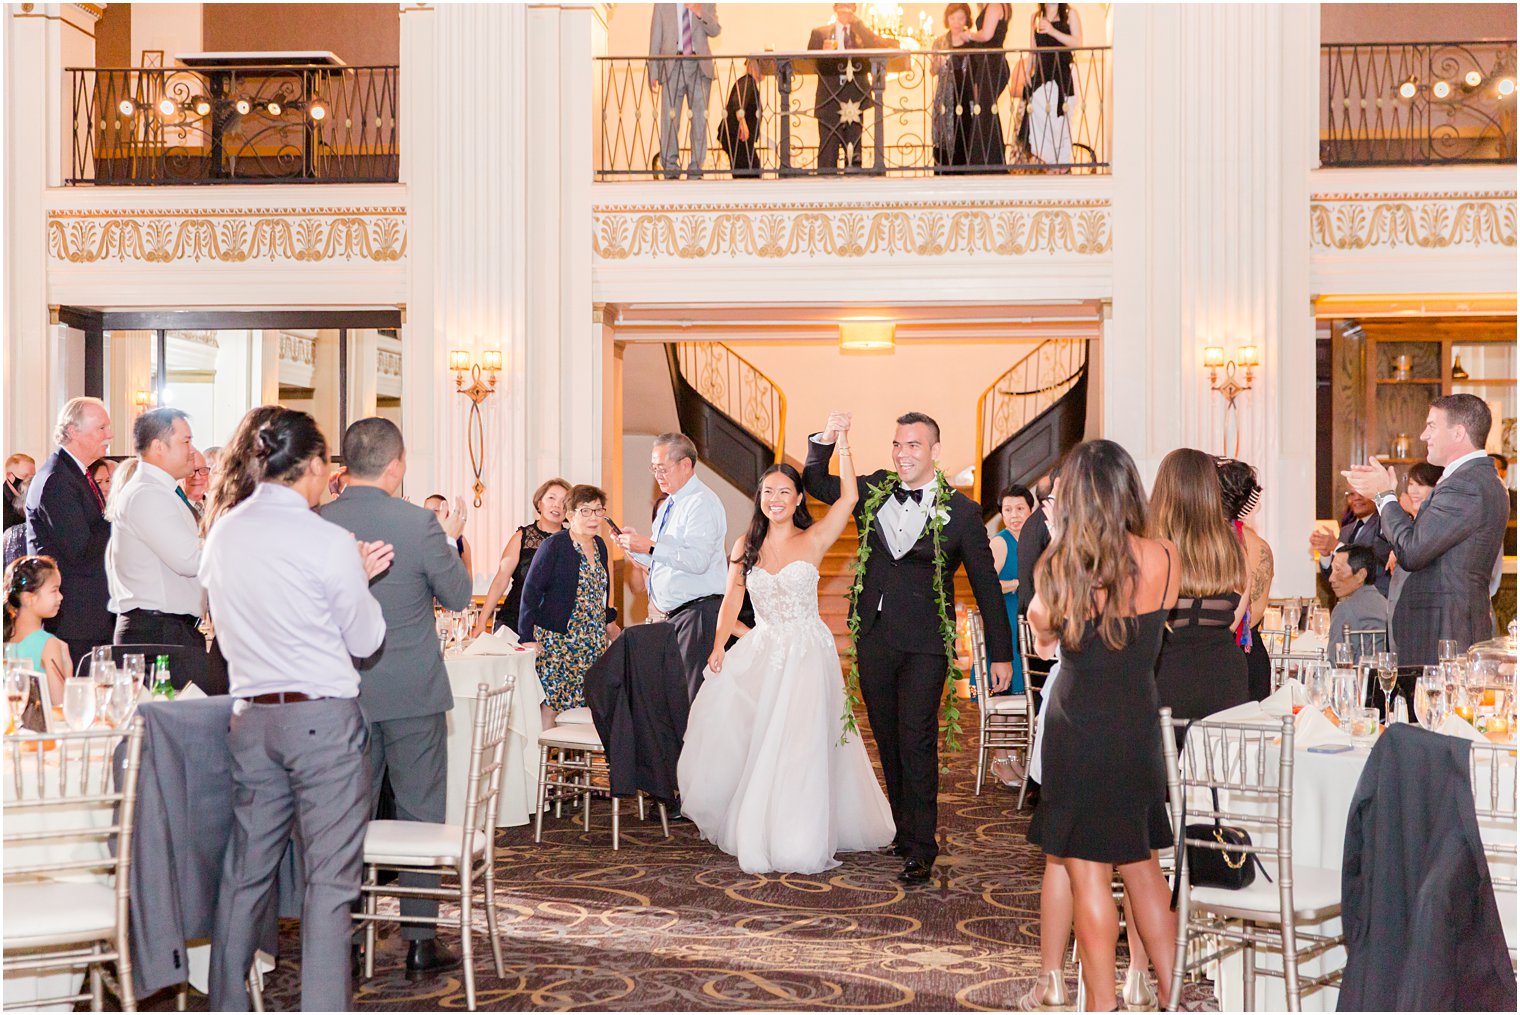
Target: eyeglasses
[661, 470]
[585, 512]
[200, 472]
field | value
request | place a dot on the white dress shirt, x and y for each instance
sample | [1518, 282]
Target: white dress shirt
[902, 525]
[1471, 456]
[689, 559]
[289, 598]
[155, 550]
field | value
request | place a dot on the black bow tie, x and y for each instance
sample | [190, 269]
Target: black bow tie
[903, 495]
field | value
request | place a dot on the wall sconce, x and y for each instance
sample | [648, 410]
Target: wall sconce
[142, 399]
[1247, 357]
[867, 335]
[480, 388]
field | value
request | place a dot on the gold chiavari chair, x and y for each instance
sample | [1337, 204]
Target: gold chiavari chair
[1004, 721]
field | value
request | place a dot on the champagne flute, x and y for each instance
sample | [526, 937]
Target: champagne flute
[135, 668]
[79, 703]
[1388, 680]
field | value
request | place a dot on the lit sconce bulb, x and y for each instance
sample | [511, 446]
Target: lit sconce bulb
[243, 106]
[274, 108]
[1249, 356]
[202, 107]
[1441, 89]
[459, 359]
[1507, 87]
[491, 359]
[166, 107]
[1408, 89]
[127, 107]
[1213, 356]
[1474, 78]
[317, 111]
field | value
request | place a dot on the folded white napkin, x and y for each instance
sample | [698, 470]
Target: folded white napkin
[189, 693]
[1281, 701]
[1456, 726]
[1312, 729]
[503, 642]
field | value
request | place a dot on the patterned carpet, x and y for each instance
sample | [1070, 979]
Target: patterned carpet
[675, 925]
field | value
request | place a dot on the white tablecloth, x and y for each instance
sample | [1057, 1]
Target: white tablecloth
[1323, 787]
[519, 784]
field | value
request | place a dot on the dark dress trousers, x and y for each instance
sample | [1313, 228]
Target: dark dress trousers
[64, 521]
[902, 652]
[1449, 552]
[845, 92]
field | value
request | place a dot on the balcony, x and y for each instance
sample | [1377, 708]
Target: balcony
[233, 124]
[1417, 104]
[895, 113]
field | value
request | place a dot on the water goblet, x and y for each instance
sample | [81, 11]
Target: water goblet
[18, 686]
[1317, 684]
[122, 704]
[79, 703]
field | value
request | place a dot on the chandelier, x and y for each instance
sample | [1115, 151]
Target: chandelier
[886, 20]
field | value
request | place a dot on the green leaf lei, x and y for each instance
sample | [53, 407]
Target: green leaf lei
[939, 517]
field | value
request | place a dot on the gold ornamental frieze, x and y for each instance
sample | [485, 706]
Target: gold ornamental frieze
[1019, 230]
[301, 235]
[1422, 221]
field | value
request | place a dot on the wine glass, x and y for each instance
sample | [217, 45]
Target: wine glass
[135, 668]
[79, 703]
[1344, 693]
[1343, 656]
[1290, 615]
[1446, 648]
[1430, 698]
[104, 675]
[122, 704]
[17, 689]
[1321, 622]
[460, 623]
[1316, 684]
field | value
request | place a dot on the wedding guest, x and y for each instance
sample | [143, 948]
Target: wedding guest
[566, 611]
[290, 592]
[1419, 482]
[1363, 526]
[845, 90]
[740, 129]
[1034, 538]
[1103, 595]
[946, 68]
[153, 559]
[19, 470]
[1450, 548]
[1360, 606]
[1051, 88]
[404, 688]
[1015, 506]
[439, 505]
[682, 30]
[980, 133]
[194, 486]
[213, 456]
[32, 597]
[1242, 494]
[1201, 669]
[517, 557]
[65, 519]
[102, 470]
[685, 554]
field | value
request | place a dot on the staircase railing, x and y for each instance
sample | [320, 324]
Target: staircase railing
[1026, 389]
[737, 388]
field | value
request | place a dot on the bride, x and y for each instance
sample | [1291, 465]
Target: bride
[763, 772]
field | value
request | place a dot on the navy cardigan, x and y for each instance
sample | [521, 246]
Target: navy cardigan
[553, 584]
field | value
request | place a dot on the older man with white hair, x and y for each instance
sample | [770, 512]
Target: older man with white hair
[65, 520]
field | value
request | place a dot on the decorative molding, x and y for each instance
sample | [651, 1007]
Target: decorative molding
[388, 364]
[207, 338]
[301, 235]
[1429, 221]
[853, 230]
[298, 349]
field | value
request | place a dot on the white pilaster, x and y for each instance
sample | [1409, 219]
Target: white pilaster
[1214, 126]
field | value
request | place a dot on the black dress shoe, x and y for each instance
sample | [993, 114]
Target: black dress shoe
[427, 958]
[916, 872]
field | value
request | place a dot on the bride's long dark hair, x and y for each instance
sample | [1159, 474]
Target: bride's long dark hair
[760, 525]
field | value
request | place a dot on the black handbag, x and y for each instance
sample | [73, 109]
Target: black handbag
[1217, 868]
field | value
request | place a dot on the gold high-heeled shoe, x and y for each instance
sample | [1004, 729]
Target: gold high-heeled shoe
[1137, 994]
[1047, 994]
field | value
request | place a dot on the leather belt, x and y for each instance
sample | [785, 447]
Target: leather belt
[283, 698]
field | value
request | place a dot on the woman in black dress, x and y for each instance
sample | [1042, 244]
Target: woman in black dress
[1242, 493]
[740, 129]
[980, 140]
[1104, 590]
[549, 506]
[1050, 84]
[1202, 670]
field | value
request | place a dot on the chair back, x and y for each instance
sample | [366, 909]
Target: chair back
[488, 761]
[1291, 666]
[1277, 641]
[63, 802]
[1367, 642]
[1026, 646]
[977, 637]
[1492, 771]
[1231, 763]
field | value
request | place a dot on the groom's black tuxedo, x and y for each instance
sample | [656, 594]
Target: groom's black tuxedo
[902, 653]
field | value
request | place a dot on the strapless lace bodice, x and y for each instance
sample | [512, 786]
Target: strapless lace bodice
[789, 596]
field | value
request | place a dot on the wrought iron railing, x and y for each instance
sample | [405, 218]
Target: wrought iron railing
[1025, 390]
[894, 112]
[737, 388]
[1421, 103]
[234, 124]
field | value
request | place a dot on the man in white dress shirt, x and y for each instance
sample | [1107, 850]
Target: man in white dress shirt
[155, 549]
[685, 555]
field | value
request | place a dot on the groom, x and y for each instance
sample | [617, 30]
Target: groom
[901, 651]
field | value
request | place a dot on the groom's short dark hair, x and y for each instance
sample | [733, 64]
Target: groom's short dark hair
[910, 418]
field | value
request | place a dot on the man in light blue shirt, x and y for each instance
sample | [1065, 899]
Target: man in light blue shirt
[685, 555]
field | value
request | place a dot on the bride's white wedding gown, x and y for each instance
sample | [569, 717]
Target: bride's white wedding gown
[762, 772]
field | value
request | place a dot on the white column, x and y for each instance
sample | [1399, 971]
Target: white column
[1214, 137]
[129, 369]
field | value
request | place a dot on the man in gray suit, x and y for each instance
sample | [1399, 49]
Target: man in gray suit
[1449, 548]
[404, 688]
[682, 30]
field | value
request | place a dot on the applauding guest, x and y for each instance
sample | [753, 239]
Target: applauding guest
[517, 557]
[452, 519]
[1449, 549]
[291, 597]
[1360, 606]
[405, 691]
[565, 608]
[1237, 482]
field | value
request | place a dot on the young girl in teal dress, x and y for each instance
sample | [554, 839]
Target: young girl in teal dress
[33, 595]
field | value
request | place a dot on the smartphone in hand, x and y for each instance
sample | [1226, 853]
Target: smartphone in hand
[614, 527]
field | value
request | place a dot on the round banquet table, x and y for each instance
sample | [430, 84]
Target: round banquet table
[519, 784]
